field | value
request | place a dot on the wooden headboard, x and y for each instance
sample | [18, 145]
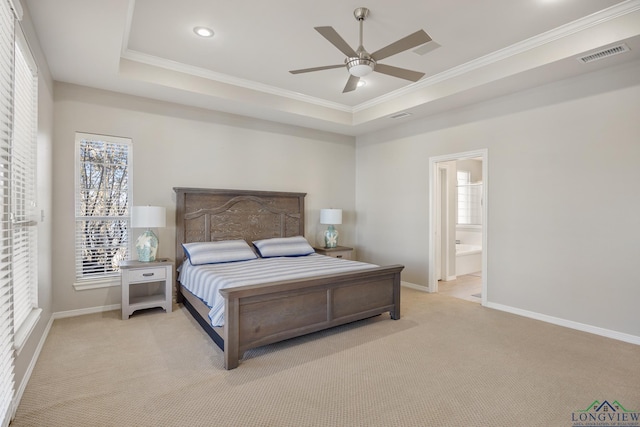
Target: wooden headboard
[204, 215]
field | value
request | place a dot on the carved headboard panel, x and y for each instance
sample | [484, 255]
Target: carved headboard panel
[204, 215]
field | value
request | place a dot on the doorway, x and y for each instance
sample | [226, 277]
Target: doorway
[443, 218]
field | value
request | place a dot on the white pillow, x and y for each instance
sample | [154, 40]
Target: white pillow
[215, 252]
[283, 246]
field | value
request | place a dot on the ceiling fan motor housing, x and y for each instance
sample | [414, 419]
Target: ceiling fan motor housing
[360, 67]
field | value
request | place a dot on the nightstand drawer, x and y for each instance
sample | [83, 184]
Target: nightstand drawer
[340, 254]
[337, 252]
[147, 274]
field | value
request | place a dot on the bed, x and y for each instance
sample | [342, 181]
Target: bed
[265, 313]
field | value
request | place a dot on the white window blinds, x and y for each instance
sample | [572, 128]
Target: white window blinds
[23, 189]
[103, 197]
[6, 114]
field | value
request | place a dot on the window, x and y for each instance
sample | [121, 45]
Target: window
[464, 179]
[23, 193]
[103, 197]
[469, 200]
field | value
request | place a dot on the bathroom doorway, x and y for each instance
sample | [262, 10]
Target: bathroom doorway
[458, 249]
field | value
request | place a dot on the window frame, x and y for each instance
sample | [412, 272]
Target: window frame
[107, 278]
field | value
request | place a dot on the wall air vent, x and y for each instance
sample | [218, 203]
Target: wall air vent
[604, 53]
[400, 115]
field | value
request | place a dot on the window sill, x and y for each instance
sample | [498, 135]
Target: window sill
[22, 334]
[97, 284]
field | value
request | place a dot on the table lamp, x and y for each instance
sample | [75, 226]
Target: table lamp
[331, 217]
[147, 217]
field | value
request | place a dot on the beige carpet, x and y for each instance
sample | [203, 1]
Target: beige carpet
[447, 362]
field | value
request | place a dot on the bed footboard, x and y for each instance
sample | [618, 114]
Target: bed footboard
[267, 313]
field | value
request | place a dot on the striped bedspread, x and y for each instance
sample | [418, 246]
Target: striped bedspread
[204, 281]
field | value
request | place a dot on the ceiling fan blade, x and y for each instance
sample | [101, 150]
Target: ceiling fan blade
[402, 73]
[412, 40]
[352, 84]
[334, 38]
[308, 70]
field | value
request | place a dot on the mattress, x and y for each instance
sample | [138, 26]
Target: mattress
[205, 281]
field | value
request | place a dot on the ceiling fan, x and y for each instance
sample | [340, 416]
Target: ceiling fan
[360, 63]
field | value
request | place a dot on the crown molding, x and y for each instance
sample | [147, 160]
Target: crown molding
[566, 30]
[558, 33]
[155, 61]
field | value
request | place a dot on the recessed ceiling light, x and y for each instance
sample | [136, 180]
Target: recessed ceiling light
[361, 83]
[203, 31]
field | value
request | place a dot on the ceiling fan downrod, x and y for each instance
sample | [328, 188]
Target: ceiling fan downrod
[361, 14]
[363, 64]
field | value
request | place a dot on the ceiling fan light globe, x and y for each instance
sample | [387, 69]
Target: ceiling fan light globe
[360, 67]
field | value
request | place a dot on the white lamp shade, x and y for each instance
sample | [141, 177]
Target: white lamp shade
[148, 217]
[331, 216]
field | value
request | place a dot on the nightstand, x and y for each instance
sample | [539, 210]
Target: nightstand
[343, 252]
[146, 285]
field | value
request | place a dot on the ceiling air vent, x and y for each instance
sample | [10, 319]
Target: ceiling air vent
[400, 115]
[605, 53]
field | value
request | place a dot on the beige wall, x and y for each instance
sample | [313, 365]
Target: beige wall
[563, 222]
[176, 146]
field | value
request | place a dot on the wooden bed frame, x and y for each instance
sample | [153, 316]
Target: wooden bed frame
[262, 314]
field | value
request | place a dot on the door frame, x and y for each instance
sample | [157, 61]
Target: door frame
[441, 230]
[434, 208]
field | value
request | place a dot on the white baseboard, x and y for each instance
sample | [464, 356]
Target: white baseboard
[32, 364]
[620, 336]
[414, 286]
[83, 311]
[608, 333]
